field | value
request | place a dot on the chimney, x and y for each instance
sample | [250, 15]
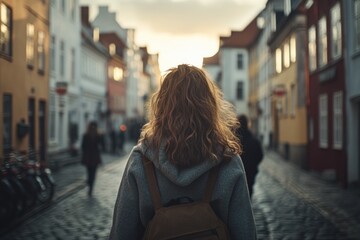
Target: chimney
[85, 15]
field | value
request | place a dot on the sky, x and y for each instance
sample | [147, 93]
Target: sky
[180, 31]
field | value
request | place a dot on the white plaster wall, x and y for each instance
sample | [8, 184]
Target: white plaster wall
[60, 23]
[352, 73]
[231, 75]
[93, 86]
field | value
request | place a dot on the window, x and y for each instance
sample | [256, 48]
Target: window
[293, 100]
[322, 42]
[287, 7]
[41, 52]
[240, 90]
[335, 31]
[72, 9]
[62, 58]
[278, 60]
[30, 41]
[52, 116]
[63, 6]
[357, 23]
[96, 34]
[112, 49]
[72, 65]
[5, 30]
[293, 49]
[338, 121]
[286, 55]
[312, 48]
[240, 61]
[7, 122]
[53, 53]
[118, 74]
[323, 120]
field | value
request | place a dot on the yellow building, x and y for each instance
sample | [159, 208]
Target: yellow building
[24, 44]
[288, 85]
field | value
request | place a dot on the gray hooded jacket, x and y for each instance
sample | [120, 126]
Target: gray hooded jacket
[134, 209]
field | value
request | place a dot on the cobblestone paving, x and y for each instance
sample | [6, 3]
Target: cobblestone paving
[77, 216]
[280, 211]
[281, 215]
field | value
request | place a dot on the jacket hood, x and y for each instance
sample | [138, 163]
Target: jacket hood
[179, 176]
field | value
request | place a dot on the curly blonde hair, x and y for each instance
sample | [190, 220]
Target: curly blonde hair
[190, 117]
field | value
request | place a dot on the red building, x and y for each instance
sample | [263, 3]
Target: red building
[116, 84]
[326, 88]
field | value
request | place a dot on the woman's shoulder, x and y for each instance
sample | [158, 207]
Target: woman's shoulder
[233, 166]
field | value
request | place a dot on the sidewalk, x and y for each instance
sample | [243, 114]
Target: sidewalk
[72, 177]
[338, 205]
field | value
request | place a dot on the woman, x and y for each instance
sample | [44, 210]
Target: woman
[190, 130]
[91, 153]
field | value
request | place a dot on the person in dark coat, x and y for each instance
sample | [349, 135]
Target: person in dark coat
[91, 157]
[252, 151]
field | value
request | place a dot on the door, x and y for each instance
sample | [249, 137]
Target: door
[31, 120]
[42, 127]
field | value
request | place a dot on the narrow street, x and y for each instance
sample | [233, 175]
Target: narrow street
[288, 204]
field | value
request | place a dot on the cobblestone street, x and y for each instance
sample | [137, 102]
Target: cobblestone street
[288, 204]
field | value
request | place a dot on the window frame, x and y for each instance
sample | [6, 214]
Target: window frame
[356, 7]
[336, 37]
[278, 60]
[322, 42]
[312, 48]
[323, 121]
[240, 90]
[240, 61]
[41, 52]
[338, 120]
[293, 48]
[6, 23]
[30, 45]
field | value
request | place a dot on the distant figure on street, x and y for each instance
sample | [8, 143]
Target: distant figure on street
[252, 151]
[91, 157]
[113, 138]
[122, 137]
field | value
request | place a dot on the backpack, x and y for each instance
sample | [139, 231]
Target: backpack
[186, 219]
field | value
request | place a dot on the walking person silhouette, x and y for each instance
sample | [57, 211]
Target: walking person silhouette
[252, 153]
[91, 157]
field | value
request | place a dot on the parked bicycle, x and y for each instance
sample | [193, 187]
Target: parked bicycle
[25, 183]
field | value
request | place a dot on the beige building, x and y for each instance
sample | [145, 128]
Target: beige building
[288, 87]
[24, 44]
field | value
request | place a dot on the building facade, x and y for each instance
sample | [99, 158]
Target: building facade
[326, 108]
[94, 72]
[288, 86]
[24, 77]
[64, 87]
[351, 13]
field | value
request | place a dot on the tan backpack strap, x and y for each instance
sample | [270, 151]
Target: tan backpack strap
[153, 186]
[213, 174]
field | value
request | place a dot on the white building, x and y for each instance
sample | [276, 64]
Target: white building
[64, 69]
[352, 63]
[229, 67]
[94, 58]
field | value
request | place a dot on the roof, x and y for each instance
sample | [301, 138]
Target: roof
[241, 39]
[214, 60]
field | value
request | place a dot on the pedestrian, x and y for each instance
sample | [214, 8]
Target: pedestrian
[91, 157]
[252, 152]
[122, 137]
[190, 131]
[113, 140]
